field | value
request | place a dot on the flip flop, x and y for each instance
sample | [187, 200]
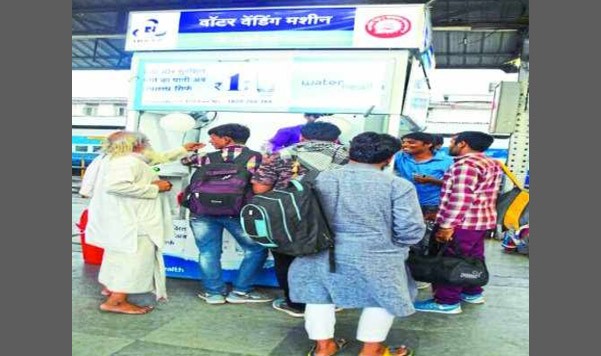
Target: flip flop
[340, 344]
[146, 311]
[391, 351]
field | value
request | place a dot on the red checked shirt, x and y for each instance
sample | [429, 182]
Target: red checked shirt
[228, 153]
[469, 193]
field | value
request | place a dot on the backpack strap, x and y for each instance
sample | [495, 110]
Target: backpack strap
[336, 153]
[331, 250]
[310, 167]
[310, 176]
[517, 206]
[332, 260]
[510, 175]
[215, 157]
[245, 155]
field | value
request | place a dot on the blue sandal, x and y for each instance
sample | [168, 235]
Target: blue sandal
[340, 344]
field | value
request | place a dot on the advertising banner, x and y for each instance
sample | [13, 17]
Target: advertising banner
[304, 82]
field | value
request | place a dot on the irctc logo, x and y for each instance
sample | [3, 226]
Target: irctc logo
[388, 26]
[149, 29]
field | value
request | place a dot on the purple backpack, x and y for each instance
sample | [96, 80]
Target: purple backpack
[220, 188]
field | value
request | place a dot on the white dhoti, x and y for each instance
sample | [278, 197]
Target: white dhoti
[140, 272]
[131, 220]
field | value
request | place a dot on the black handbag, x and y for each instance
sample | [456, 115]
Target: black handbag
[457, 270]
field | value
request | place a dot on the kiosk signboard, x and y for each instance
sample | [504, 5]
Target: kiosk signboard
[386, 26]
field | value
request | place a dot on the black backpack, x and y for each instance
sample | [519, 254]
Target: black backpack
[220, 188]
[290, 221]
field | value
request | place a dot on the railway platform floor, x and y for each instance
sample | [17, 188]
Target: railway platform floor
[187, 326]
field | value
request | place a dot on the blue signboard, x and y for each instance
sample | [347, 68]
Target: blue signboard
[341, 19]
[176, 267]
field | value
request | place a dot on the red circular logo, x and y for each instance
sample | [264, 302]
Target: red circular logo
[388, 26]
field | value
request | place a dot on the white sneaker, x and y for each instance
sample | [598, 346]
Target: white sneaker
[212, 298]
[473, 299]
[250, 297]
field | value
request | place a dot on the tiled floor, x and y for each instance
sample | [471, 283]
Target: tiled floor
[187, 326]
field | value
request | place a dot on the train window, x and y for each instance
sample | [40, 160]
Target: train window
[90, 109]
[96, 148]
[79, 148]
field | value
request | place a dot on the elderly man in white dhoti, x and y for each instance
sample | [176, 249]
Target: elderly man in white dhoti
[152, 158]
[130, 219]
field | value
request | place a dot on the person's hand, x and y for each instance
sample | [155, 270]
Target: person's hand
[444, 234]
[164, 185]
[193, 146]
[430, 216]
[422, 178]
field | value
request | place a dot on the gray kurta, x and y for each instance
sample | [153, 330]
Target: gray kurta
[375, 217]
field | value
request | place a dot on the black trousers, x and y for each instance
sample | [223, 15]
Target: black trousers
[282, 265]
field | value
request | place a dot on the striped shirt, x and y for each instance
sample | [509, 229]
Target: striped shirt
[278, 169]
[469, 193]
[229, 153]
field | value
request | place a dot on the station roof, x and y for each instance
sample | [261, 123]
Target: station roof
[467, 34]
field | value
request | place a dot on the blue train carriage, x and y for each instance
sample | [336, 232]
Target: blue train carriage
[87, 133]
[83, 150]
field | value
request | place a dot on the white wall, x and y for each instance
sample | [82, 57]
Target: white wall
[466, 81]
[100, 83]
[463, 85]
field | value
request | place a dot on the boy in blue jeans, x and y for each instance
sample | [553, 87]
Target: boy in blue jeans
[208, 230]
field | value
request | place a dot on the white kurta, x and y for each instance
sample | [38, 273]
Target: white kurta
[89, 178]
[153, 158]
[125, 208]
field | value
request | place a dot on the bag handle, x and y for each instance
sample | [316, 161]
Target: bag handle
[446, 245]
[442, 246]
[510, 175]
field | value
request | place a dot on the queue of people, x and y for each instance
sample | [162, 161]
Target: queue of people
[376, 217]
